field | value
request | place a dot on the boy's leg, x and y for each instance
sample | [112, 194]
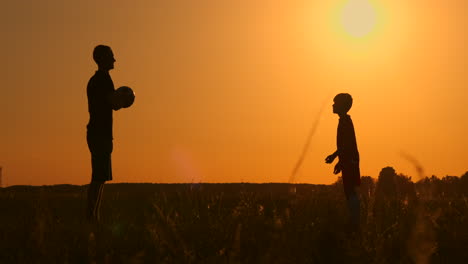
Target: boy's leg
[352, 200]
[354, 209]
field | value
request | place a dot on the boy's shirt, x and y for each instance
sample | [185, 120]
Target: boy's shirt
[99, 89]
[346, 142]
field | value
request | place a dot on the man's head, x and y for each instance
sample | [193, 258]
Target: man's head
[104, 57]
[342, 103]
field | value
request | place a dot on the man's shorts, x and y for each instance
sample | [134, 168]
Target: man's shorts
[101, 150]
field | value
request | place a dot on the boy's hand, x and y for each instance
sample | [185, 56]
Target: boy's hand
[338, 168]
[330, 158]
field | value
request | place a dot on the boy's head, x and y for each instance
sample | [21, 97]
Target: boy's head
[342, 103]
[104, 57]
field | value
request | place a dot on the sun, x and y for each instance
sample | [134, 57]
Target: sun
[358, 18]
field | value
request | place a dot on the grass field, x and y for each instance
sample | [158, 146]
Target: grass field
[235, 223]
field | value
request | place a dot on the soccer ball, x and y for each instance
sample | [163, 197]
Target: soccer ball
[127, 95]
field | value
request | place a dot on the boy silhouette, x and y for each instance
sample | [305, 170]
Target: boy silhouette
[101, 101]
[348, 155]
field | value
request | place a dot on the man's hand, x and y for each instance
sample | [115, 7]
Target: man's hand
[330, 158]
[338, 168]
[117, 101]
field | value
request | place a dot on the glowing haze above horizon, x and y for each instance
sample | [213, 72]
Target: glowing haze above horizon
[227, 91]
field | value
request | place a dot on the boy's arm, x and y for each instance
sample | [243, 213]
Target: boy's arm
[331, 157]
[338, 167]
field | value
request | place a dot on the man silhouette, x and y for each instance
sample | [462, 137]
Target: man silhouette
[101, 101]
[348, 155]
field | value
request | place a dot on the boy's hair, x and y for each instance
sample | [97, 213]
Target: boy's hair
[345, 99]
[99, 52]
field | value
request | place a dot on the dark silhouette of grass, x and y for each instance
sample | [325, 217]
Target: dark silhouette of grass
[225, 223]
[306, 147]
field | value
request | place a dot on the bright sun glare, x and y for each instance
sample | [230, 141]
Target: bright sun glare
[358, 18]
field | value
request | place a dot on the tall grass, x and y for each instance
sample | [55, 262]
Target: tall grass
[229, 223]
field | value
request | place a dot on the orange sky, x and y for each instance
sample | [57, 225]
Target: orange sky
[227, 91]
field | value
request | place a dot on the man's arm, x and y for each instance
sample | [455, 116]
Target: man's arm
[116, 101]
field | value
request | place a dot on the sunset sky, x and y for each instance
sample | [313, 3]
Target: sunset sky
[227, 91]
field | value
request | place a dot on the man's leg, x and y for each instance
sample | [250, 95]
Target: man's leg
[98, 202]
[101, 172]
[105, 174]
[94, 195]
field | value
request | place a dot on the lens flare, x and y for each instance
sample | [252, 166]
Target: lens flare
[185, 165]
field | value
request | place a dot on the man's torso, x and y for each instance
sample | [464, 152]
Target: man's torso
[99, 89]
